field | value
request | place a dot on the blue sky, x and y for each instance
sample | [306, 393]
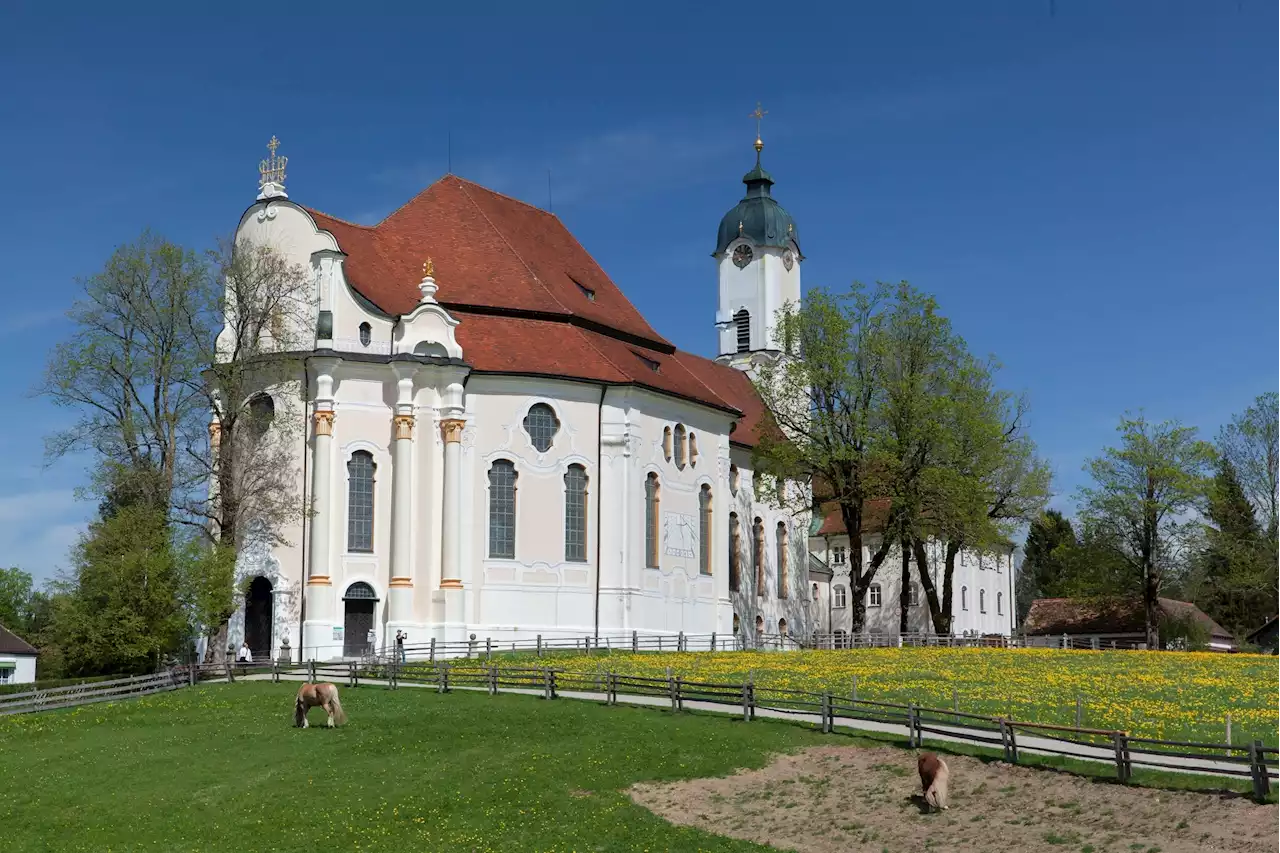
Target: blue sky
[1087, 187]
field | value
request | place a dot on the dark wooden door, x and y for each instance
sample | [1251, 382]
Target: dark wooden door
[258, 614]
[358, 621]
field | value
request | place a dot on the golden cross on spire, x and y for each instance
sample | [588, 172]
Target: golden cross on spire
[271, 170]
[758, 115]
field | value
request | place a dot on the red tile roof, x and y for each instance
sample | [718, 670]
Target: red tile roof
[12, 644]
[1108, 616]
[874, 515]
[515, 277]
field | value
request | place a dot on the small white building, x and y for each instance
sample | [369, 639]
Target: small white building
[17, 659]
[498, 444]
[982, 584]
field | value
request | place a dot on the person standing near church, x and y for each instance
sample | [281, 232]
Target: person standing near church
[372, 639]
[400, 646]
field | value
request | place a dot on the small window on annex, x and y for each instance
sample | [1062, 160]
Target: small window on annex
[366, 334]
[874, 595]
[542, 425]
[680, 448]
[839, 596]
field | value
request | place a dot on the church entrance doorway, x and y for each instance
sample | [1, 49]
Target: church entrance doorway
[259, 606]
[358, 619]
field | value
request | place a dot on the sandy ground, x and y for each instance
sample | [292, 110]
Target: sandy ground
[848, 799]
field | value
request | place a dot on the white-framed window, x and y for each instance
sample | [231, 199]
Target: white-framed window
[502, 509]
[366, 334]
[839, 596]
[666, 443]
[964, 598]
[913, 595]
[6, 675]
[681, 449]
[360, 490]
[704, 529]
[652, 498]
[541, 424]
[982, 601]
[874, 595]
[999, 603]
[838, 554]
[575, 514]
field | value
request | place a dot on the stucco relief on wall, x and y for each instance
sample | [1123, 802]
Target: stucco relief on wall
[679, 535]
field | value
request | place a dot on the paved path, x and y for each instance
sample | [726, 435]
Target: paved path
[945, 734]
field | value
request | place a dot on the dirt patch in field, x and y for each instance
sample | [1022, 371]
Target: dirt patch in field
[849, 799]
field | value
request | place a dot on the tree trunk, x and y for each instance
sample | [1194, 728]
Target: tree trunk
[939, 611]
[1151, 570]
[860, 581]
[904, 594]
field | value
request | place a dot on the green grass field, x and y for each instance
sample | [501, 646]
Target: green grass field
[219, 768]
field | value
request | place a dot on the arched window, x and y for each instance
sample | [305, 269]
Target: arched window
[784, 564]
[666, 443]
[999, 603]
[742, 322]
[757, 553]
[360, 470]
[542, 425]
[575, 514]
[652, 497]
[704, 528]
[874, 595]
[759, 626]
[839, 597]
[982, 601]
[737, 625]
[735, 545]
[366, 334]
[502, 509]
[262, 411]
[680, 446]
[734, 479]
[782, 627]
[693, 449]
[964, 598]
[913, 595]
[815, 593]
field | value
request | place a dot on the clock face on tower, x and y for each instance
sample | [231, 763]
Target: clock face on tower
[788, 259]
[742, 256]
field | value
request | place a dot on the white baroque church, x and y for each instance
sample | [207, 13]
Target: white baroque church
[498, 444]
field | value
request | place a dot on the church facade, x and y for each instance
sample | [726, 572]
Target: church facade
[498, 444]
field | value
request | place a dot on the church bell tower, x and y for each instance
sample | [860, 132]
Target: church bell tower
[758, 258]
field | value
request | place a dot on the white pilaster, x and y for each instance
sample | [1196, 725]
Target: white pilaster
[400, 587]
[317, 631]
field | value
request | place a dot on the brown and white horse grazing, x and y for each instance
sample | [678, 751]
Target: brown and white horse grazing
[933, 780]
[322, 695]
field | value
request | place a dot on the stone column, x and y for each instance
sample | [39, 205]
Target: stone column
[400, 589]
[451, 534]
[317, 632]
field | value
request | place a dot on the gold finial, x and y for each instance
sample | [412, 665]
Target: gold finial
[739, 227]
[759, 115]
[429, 269]
[271, 170]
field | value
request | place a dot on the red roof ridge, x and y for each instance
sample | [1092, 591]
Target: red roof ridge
[507, 243]
[491, 191]
[314, 211]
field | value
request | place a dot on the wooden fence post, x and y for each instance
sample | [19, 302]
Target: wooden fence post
[1258, 768]
[679, 693]
[311, 671]
[680, 642]
[1228, 734]
[827, 714]
[1004, 740]
[659, 642]
[443, 673]
[539, 645]
[911, 725]
[488, 648]
[551, 681]
[433, 650]
[635, 641]
[355, 675]
[1122, 756]
[746, 703]
[751, 694]
[713, 641]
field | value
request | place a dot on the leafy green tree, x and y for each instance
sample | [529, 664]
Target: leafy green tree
[1044, 558]
[15, 600]
[1234, 578]
[1139, 503]
[1252, 443]
[824, 395]
[119, 611]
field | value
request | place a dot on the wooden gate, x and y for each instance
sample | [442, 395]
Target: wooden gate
[358, 604]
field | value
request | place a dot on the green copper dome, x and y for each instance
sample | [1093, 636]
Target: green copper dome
[758, 217]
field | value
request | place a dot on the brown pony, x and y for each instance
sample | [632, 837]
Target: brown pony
[322, 695]
[933, 780]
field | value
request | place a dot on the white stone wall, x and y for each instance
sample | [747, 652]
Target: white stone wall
[24, 671]
[981, 601]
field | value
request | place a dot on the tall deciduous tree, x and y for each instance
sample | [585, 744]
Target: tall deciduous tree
[1252, 442]
[1142, 495]
[16, 593]
[825, 394]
